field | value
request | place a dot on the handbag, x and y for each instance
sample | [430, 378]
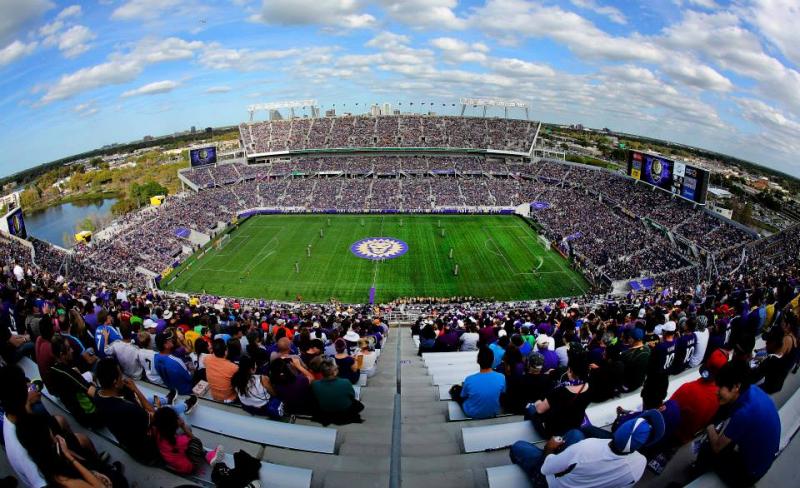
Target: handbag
[201, 388]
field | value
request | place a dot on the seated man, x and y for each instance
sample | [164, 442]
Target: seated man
[171, 369]
[336, 398]
[597, 463]
[219, 373]
[479, 396]
[743, 450]
[73, 389]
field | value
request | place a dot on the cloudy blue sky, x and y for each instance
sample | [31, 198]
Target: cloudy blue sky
[715, 74]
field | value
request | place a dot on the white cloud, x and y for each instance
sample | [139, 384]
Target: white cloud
[15, 15]
[720, 38]
[339, 13]
[143, 9]
[121, 68]
[706, 4]
[458, 51]
[72, 41]
[778, 129]
[15, 51]
[85, 109]
[778, 21]
[218, 89]
[510, 20]
[154, 88]
[690, 72]
[215, 56]
[75, 41]
[71, 11]
[419, 14]
[614, 14]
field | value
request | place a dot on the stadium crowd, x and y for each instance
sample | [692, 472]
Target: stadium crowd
[551, 361]
[93, 345]
[388, 131]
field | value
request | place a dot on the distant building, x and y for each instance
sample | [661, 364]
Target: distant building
[386, 109]
[720, 193]
[396, 112]
[760, 184]
[375, 110]
[275, 115]
[148, 138]
[193, 129]
[10, 201]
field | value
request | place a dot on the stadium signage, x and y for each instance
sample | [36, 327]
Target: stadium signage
[678, 178]
[14, 224]
[379, 248]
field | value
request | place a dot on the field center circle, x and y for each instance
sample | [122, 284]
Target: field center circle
[377, 248]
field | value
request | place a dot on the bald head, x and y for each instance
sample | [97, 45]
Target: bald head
[284, 345]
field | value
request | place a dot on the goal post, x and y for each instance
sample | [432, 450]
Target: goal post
[223, 241]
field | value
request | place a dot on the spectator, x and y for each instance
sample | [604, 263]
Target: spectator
[528, 388]
[179, 448]
[659, 365]
[592, 463]
[701, 334]
[292, 384]
[171, 369]
[335, 397]
[368, 358]
[125, 352]
[697, 400]
[254, 390]
[75, 391]
[632, 363]
[347, 366]
[564, 407]
[739, 453]
[147, 358]
[481, 393]
[469, 339]
[220, 371]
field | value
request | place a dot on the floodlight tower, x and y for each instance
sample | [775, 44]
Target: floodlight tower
[485, 103]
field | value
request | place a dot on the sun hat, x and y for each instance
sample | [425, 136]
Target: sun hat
[352, 336]
[670, 326]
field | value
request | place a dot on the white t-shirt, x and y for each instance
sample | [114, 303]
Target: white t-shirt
[469, 341]
[563, 356]
[147, 359]
[19, 273]
[128, 356]
[257, 396]
[22, 464]
[699, 348]
[369, 361]
[595, 466]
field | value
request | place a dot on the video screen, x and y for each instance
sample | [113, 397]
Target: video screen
[203, 156]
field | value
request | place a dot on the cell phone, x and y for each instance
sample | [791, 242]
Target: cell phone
[90, 351]
[558, 438]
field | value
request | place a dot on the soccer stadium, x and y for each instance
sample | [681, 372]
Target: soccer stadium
[376, 298]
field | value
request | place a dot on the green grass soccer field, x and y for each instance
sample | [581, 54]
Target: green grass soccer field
[498, 257]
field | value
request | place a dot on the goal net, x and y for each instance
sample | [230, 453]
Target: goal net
[223, 241]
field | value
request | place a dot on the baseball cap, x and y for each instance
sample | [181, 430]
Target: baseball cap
[637, 433]
[149, 324]
[637, 334]
[669, 327]
[502, 333]
[713, 364]
[542, 341]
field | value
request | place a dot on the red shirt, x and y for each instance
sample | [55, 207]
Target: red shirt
[698, 403]
[44, 359]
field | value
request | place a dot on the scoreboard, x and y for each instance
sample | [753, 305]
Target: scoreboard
[684, 180]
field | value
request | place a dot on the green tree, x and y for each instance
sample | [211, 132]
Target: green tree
[141, 194]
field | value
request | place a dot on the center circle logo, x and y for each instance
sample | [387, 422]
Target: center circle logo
[377, 248]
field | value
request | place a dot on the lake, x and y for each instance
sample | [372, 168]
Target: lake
[57, 224]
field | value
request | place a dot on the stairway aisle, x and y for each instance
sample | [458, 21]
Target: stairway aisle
[431, 446]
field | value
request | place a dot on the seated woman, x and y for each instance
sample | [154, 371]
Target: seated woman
[563, 408]
[335, 397]
[346, 364]
[368, 358]
[254, 390]
[179, 448]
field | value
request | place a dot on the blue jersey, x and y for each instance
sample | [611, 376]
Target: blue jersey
[99, 340]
